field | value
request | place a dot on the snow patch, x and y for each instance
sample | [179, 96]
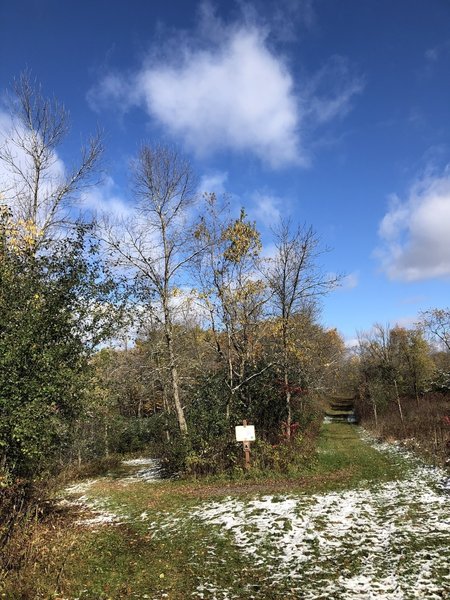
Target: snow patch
[99, 514]
[352, 544]
[153, 471]
[389, 541]
[139, 461]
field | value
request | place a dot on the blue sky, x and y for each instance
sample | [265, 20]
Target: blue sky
[333, 113]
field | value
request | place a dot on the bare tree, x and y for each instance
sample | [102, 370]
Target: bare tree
[35, 183]
[296, 280]
[436, 323]
[155, 243]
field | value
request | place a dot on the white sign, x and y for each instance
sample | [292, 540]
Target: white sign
[245, 434]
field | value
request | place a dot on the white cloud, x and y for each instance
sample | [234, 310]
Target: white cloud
[238, 95]
[416, 232]
[437, 52]
[351, 343]
[336, 75]
[213, 183]
[432, 54]
[103, 200]
[227, 88]
[350, 281]
[266, 209]
[406, 322]
[12, 136]
[15, 177]
[114, 88]
[269, 251]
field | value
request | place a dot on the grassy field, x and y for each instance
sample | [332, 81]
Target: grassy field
[358, 521]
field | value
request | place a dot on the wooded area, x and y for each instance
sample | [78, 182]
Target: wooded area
[161, 331]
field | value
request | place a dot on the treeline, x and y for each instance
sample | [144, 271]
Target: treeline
[138, 411]
[401, 379]
[216, 331]
[199, 328]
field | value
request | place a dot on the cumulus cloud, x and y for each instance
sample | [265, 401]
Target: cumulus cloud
[415, 233]
[266, 208]
[213, 183]
[227, 88]
[104, 200]
[237, 95]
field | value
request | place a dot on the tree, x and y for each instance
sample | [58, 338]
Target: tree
[394, 362]
[436, 322]
[232, 293]
[295, 280]
[154, 244]
[36, 185]
[53, 313]
[411, 353]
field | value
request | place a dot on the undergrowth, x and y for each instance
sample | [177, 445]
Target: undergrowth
[425, 427]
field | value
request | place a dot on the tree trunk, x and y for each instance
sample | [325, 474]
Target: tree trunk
[105, 433]
[174, 378]
[399, 405]
[288, 394]
[230, 377]
[416, 393]
[288, 406]
[375, 414]
[167, 412]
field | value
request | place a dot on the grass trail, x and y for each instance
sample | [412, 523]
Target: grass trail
[358, 523]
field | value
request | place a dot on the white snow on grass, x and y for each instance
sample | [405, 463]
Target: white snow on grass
[153, 470]
[381, 541]
[353, 544]
[81, 487]
[401, 449]
[95, 511]
[139, 461]
[387, 541]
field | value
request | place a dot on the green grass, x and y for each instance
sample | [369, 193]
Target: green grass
[340, 449]
[135, 560]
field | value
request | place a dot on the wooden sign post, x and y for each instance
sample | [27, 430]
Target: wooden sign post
[246, 434]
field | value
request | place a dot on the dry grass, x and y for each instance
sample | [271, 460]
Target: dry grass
[424, 428]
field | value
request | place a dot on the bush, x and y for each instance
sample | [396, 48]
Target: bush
[21, 504]
[441, 382]
[46, 331]
[211, 447]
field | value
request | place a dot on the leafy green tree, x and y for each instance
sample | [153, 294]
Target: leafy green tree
[55, 307]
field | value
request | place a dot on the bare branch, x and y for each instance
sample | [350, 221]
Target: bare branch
[39, 189]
